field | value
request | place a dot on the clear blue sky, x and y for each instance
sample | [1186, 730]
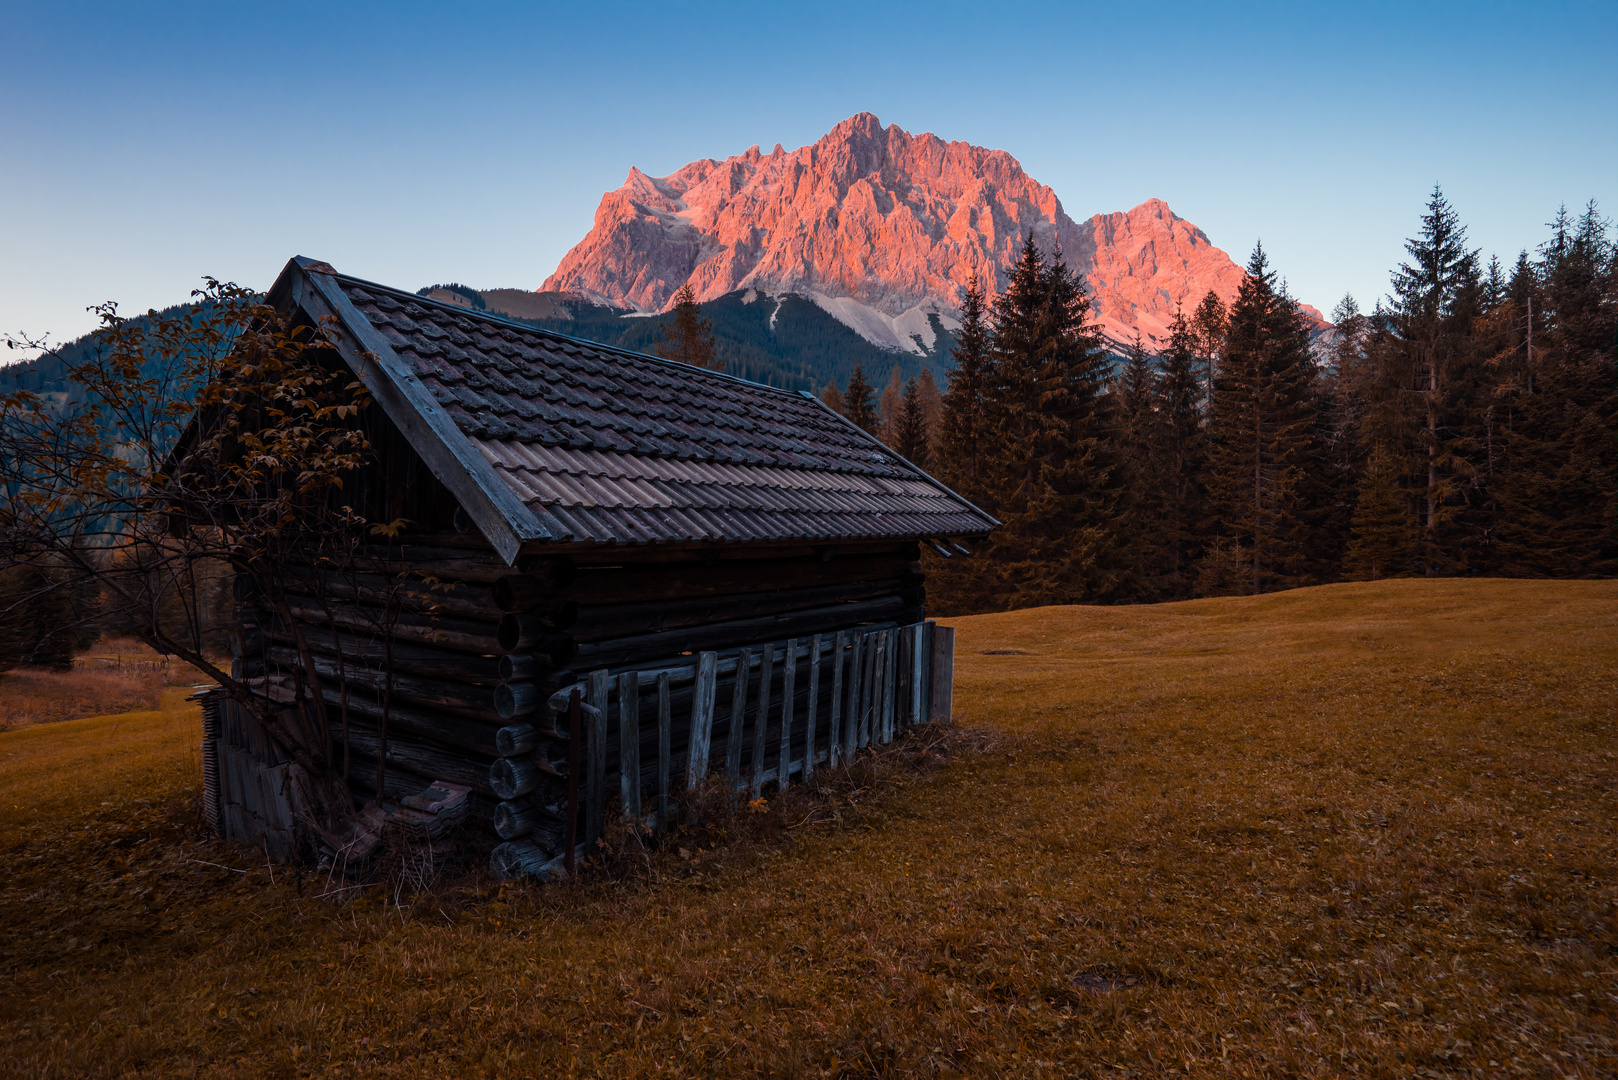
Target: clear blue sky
[143, 146]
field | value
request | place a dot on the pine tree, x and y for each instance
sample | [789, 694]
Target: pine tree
[932, 411]
[1138, 437]
[832, 396]
[1210, 322]
[889, 406]
[1557, 484]
[1261, 450]
[1181, 458]
[1383, 543]
[910, 428]
[1431, 375]
[1059, 492]
[690, 339]
[1423, 384]
[962, 426]
[859, 402]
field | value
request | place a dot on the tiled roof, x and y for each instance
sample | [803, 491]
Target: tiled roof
[603, 445]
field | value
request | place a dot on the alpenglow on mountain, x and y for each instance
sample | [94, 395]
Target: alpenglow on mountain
[881, 229]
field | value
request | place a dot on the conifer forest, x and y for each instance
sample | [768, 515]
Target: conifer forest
[1464, 426]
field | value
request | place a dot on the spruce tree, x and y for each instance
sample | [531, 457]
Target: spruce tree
[889, 407]
[690, 338]
[1181, 458]
[1059, 492]
[1210, 322]
[932, 411]
[1137, 436]
[1424, 386]
[910, 428]
[963, 423]
[1260, 430]
[1383, 543]
[1557, 485]
[832, 396]
[859, 402]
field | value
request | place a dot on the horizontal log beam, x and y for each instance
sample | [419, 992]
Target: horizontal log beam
[458, 732]
[623, 652]
[417, 560]
[476, 702]
[648, 582]
[412, 594]
[460, 635]
[606, 621]
[424, 660]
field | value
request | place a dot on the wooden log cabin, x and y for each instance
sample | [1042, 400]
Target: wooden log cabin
[726, 574]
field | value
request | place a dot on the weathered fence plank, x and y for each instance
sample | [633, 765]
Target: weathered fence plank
[665, 736]
[789, 689]
[738, 716]
[886, 658]
[834, 727]
[867, 655]
[696, 759]
[761, 725]
[814, 706]
[596, 798]
[913, 652]
[629, 742]
[943, 673]
[575, 737]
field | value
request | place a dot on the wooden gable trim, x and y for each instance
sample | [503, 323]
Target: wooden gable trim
[491, 504]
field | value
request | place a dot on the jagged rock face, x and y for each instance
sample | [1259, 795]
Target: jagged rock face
[880, 228]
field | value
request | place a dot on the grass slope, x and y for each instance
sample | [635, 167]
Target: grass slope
[1354, 830]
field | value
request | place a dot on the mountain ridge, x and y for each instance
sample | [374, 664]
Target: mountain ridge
[882, 230]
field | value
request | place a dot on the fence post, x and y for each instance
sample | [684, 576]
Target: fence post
[702, 702]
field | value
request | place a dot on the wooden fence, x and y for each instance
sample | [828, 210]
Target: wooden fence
[759, 716]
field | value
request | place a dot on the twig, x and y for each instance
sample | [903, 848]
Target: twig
[232, 869]
[346, 888]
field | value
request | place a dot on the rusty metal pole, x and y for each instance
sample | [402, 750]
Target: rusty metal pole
[574, 734]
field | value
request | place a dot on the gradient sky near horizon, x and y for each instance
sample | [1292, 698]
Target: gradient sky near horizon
[144, 146]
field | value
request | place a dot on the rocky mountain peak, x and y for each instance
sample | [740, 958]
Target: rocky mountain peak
[883, 230]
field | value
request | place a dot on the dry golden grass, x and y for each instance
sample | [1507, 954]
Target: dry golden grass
[118, 675]
[1357, 830]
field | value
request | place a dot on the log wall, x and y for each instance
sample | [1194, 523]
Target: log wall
[456, 648]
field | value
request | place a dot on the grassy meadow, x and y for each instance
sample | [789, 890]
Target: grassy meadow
[1358, 830]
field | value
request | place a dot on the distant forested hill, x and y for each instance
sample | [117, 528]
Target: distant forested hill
[785, 341]
[47, 374]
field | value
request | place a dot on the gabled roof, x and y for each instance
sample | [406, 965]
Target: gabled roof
[547, 439]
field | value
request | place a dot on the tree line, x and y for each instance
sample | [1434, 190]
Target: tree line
[1464, 426]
